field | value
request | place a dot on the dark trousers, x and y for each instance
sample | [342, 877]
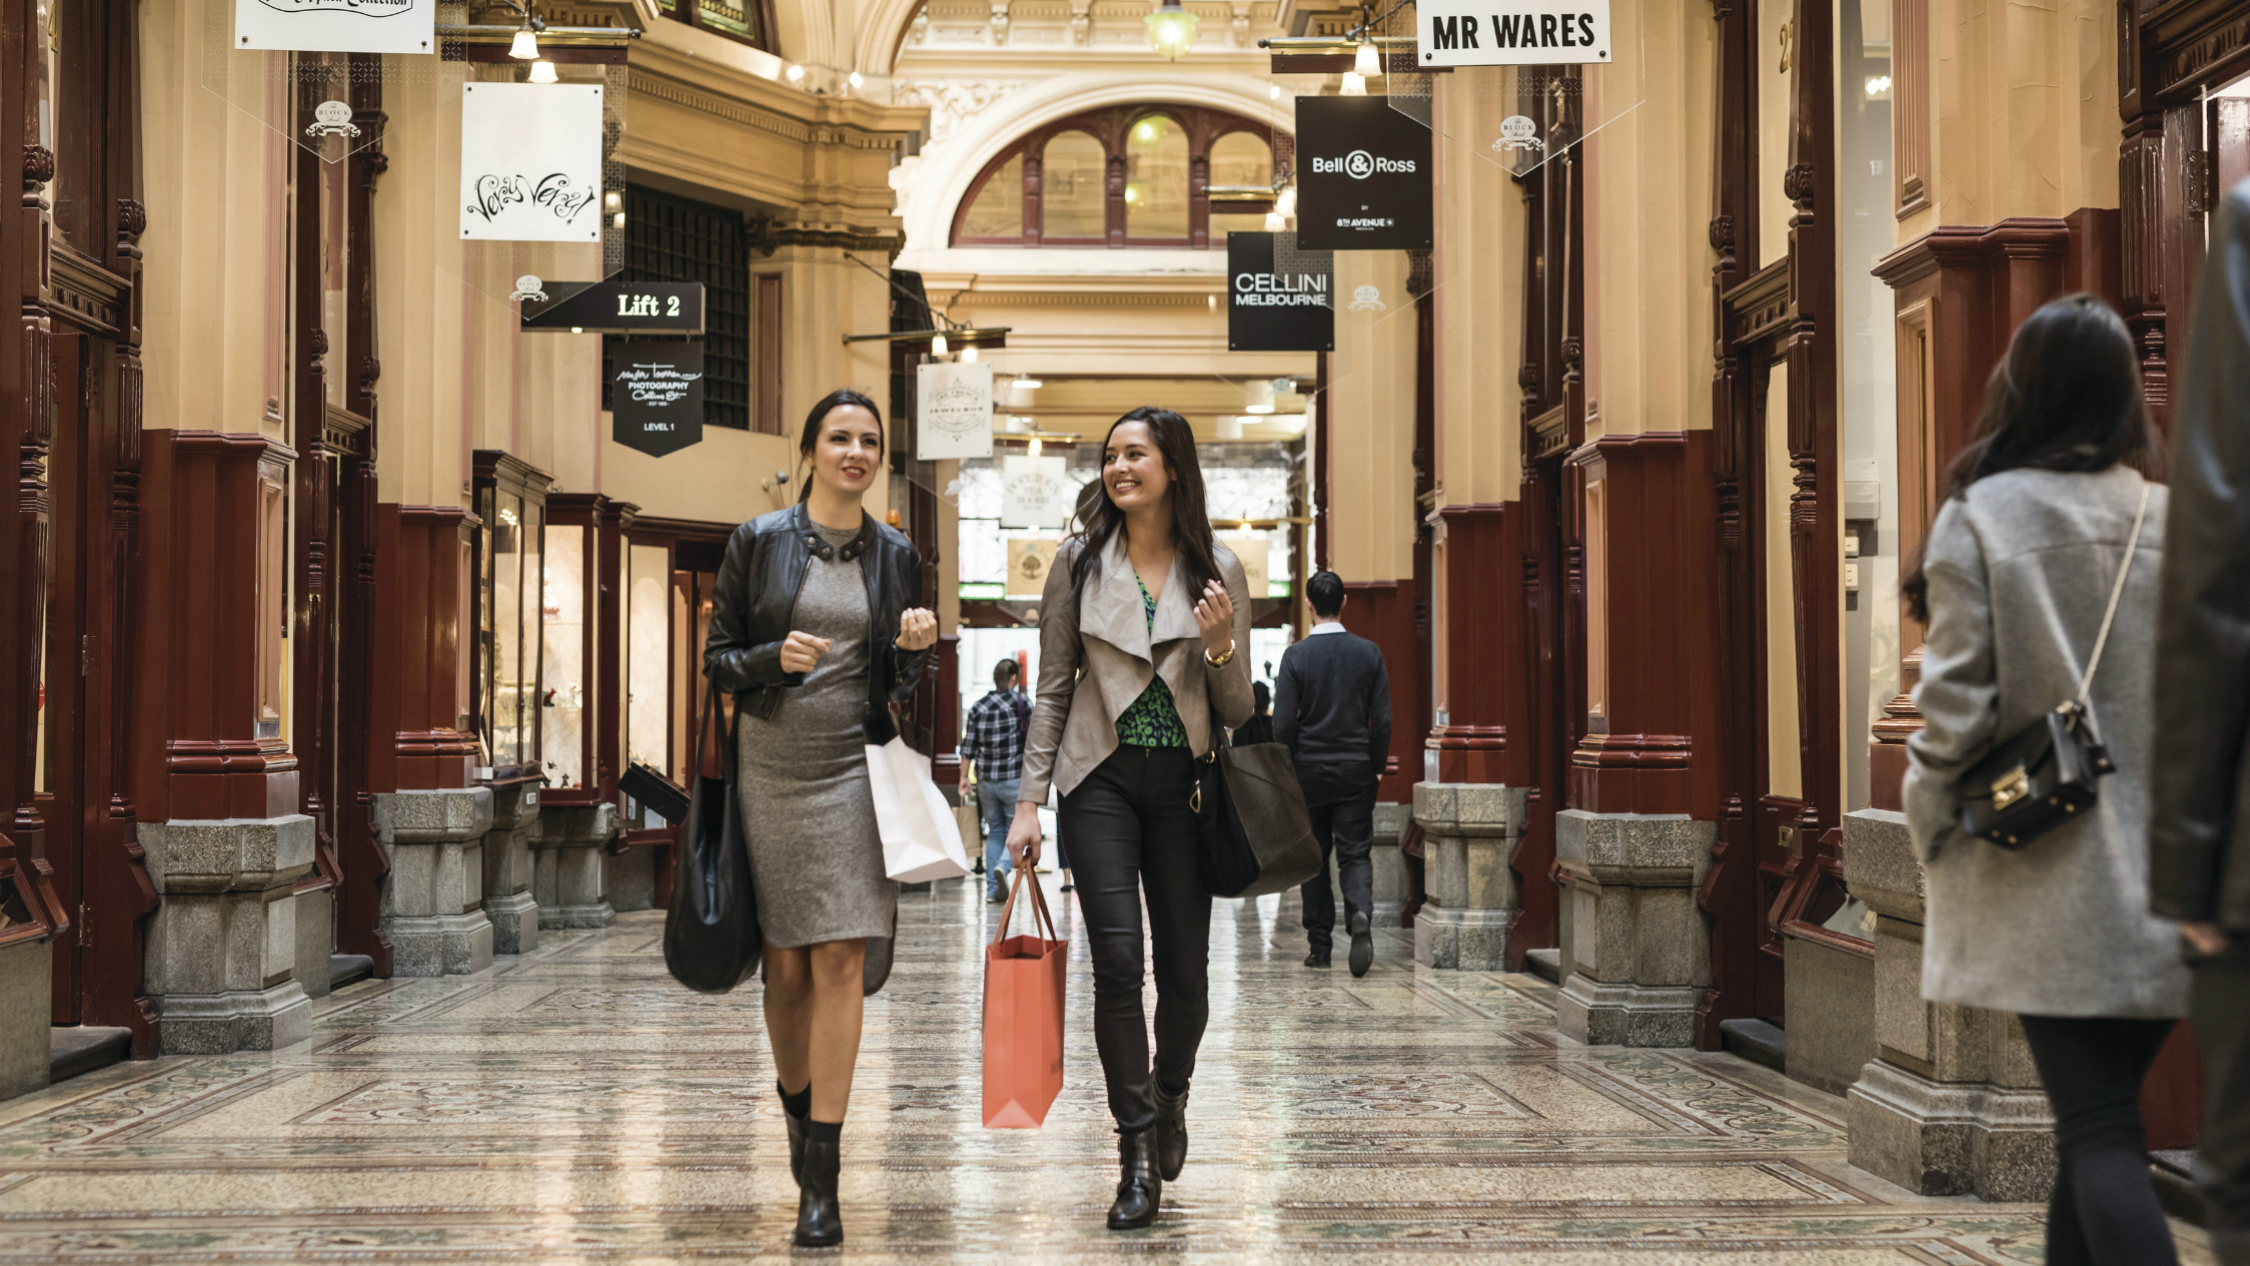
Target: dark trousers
[1131, 833]
[2220, 1007]
[2104, 1207]
[1343, 817]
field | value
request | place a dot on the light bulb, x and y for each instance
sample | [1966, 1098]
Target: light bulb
[969, 354]
[525, 46]
[1366, 63]
[542, 71]
[1171, 29]
[854, 80]
[1028, 383]
[1257, 396]
[1286, 204]
[1035, 448]
[1273, 93]
[1276, 222]
[937, 345]
[796, 73]
[1355, 84]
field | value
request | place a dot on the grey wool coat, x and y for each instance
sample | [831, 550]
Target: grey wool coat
[2019, 570]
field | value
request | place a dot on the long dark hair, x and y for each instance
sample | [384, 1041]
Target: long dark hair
[2067, 396]
[840, 398]
[1098, 519]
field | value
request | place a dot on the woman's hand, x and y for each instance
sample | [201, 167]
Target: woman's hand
[1024, 836]
[1215, 617]
[2206, 938]
[917, 629]
[801, 652]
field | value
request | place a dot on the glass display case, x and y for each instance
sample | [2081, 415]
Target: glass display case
[575, 663]
[506, 693]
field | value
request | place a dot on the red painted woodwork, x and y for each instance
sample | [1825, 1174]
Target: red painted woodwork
[2172, 1093]
[313, 589]
[1661, 622]
[1485, 643]
[1382, 611]
[420, 680]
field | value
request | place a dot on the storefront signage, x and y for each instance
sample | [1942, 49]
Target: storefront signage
[954, 410]
[1028, 565]
[656, 394]
[337, 26]
[1278, 296]
[1252, 552]
[531, 162]
[1363, 180]
[1511, 32]
[1035, 492]
[612, 307]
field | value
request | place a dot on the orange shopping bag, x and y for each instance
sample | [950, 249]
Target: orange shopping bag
[1023, 1016]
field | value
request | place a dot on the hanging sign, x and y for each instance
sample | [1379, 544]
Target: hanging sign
[611, 307]
[954, 407]
[1252, 552]
[1511, 32]
[656, 395]
[1035, 492]
[531, 162]
[1278, 295]
[1028, 565]
[1363, 176]
[337, 26]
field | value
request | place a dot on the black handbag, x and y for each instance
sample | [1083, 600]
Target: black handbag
[2049, 772]
[711, 940]
[1253, 832]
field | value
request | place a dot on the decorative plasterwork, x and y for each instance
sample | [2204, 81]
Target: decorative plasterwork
[950, 101]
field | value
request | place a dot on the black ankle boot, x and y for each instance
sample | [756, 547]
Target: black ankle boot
[1139, 1188]
[796, 1148]
[1170, 1130]
[819, 1222]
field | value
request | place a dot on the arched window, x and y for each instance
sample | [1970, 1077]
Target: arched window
[1074, 174]
[1125, 176]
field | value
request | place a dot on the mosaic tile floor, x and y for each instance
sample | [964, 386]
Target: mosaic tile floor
[575, 1105]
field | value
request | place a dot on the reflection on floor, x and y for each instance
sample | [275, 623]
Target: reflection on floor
[575, 1104]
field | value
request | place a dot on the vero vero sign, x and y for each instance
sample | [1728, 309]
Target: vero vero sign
[1512, 32]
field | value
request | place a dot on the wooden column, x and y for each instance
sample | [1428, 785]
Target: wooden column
[420, 714]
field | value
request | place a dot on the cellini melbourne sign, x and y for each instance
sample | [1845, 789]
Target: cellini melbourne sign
[1278, 296]
[1511, 33]
[1364, 179]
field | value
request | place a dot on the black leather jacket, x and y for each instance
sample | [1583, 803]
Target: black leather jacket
[766, 562]
[2199, 827]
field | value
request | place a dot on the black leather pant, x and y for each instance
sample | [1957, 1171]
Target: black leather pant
[1131, 832]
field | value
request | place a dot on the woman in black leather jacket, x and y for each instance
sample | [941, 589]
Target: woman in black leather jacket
[815, 631]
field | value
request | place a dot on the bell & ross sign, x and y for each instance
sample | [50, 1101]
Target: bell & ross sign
[656, 394]
[1364, 182]
[616, 307]
[1512, 32]
[1278, 296]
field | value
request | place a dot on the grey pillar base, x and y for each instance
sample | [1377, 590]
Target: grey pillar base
[1388, 863]
[239, 1020]
[599, 914]
[632, 879]
[26, 1006]
[1952, 1138]
[515, 923]
[1464, 940]
[316, 939]
[569, 878]
[440, 944]
[1600, 1014]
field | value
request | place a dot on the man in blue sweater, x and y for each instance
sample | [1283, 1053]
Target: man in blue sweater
[1332, 709]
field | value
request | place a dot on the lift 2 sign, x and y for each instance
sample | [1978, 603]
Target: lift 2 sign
[1512, 32]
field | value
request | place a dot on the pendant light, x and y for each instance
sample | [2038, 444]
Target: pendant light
[542, 72]
[1366, 62]
[1171, 29]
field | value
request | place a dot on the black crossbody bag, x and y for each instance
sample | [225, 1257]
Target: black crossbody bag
[2049, 772]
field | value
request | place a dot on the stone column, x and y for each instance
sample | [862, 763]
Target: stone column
[222, 945]
[1636, 953]
[1388, 863]
[570, 879]
[26, 1009]
[1951, 1103]
[433, 899]
[1469, 830]
[508, 870]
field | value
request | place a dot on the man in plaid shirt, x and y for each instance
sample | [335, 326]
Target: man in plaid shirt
[994, 741]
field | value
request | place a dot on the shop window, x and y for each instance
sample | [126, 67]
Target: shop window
[648, 628]
[768, 420]
[273, 593]
[570, 654]
[506, 698]
[669, 238]
[1051, 187]
[745, 20]
[1073, 183]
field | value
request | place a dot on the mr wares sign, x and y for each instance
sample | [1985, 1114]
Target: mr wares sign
[1512, 32]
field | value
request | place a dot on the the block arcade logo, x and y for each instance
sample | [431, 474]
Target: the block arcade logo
[1528, 30]
[365, 8]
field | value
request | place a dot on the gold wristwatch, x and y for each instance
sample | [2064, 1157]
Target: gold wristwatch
[1220, 661]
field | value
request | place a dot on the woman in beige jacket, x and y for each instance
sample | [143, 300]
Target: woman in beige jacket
[1141, 635]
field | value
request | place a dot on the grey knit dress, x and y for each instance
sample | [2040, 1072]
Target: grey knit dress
[814, 851]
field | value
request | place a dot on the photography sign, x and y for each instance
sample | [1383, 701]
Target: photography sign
[337, 26]
[954, 411]
[1278, 296]
[1363, 176]
[1511, 32]
[531, 162]
[656, 395]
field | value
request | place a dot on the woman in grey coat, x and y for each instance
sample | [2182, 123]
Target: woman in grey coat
[2044, 506]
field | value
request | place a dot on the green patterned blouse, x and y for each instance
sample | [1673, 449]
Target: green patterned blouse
[1153, 720]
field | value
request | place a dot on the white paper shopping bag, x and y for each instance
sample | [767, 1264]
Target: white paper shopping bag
[921, 839]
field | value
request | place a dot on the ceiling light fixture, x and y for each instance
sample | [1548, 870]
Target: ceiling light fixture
[1035, 448]
[1171, 30]
[796, 74]
[854, 79]
[1257, 396]
[525, 46]
[969, 354]
[542, 72]
[1355, 85]
[1276, 222]
[1286, 204]
[1273, 93]
[937, 345]
[1367, 63]
[1026, 382]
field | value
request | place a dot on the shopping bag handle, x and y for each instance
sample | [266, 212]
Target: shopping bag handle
[1039, 912]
